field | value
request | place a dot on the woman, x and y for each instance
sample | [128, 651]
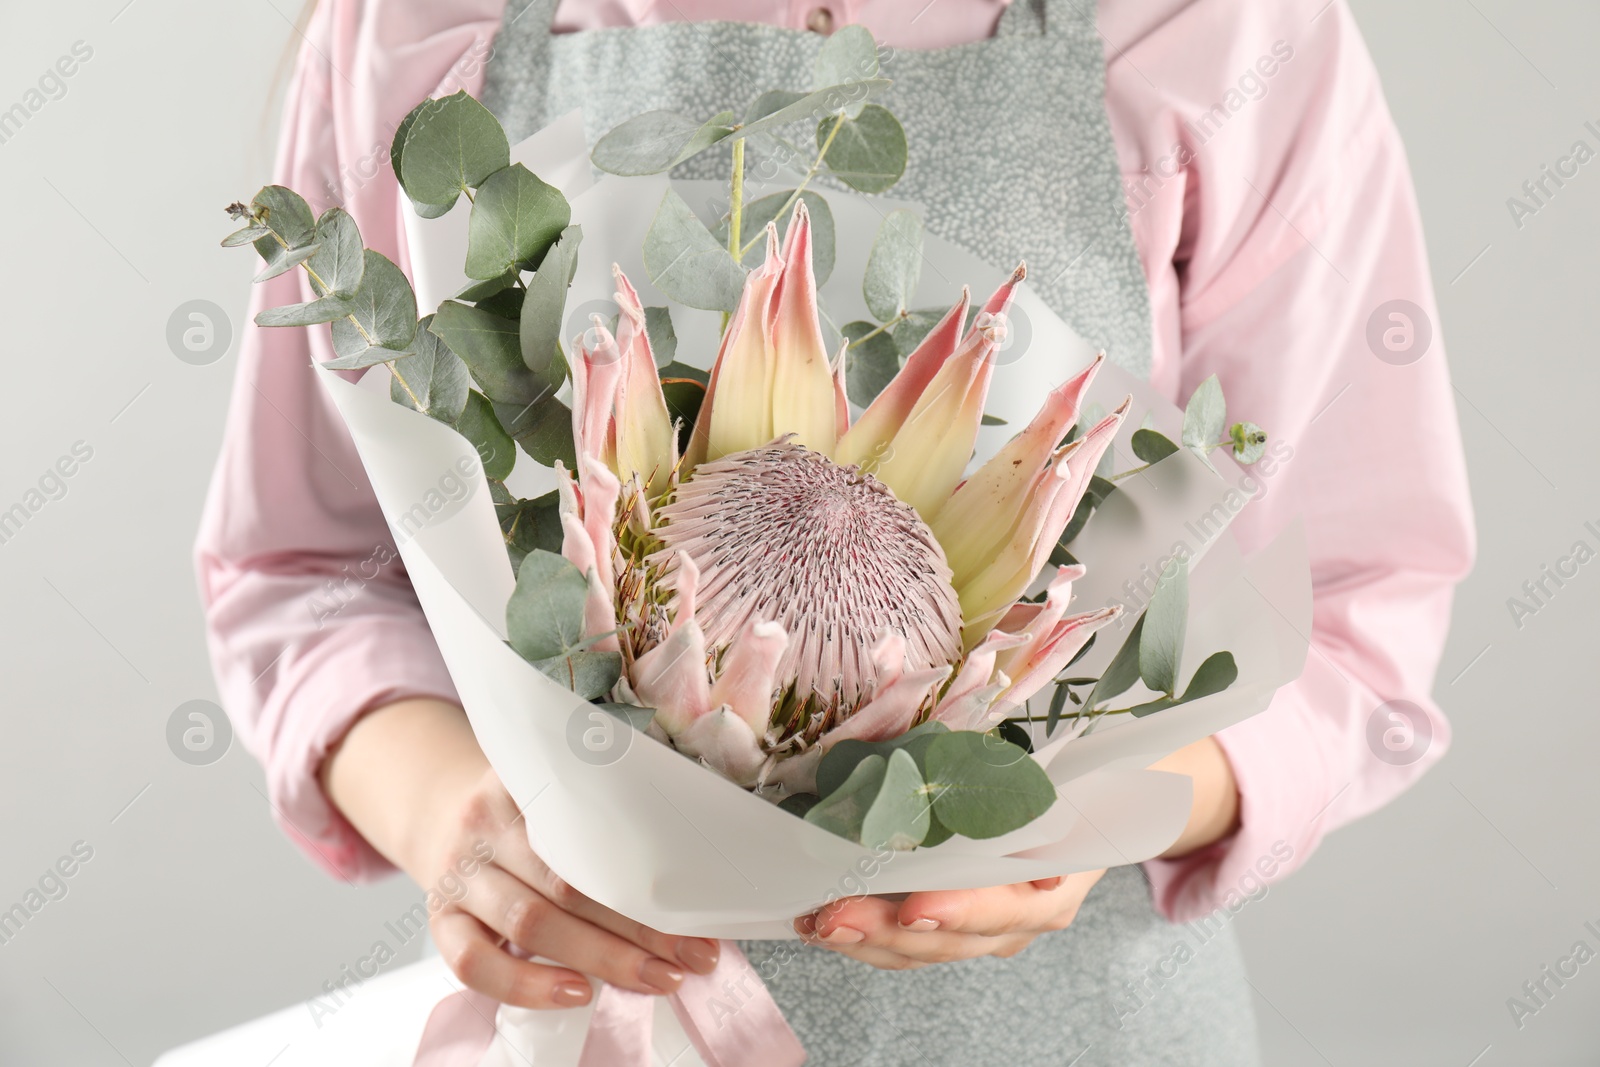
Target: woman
[1200, 186]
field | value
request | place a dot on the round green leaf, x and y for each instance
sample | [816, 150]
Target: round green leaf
[340, 260]
[492, 349]
[1165, 621]
[539, 328]
[686, 262]
[436, 375]
[983, 786]
[588, 674]
[452, 145]
[894, 266]
[381, 319]
[869, 153]
[1151, 446]
[849, 54]
[757, 213]
[1204, 415]
[515, 218]
[898, 817]
[843, 811]
[544, 616]
[543, 429]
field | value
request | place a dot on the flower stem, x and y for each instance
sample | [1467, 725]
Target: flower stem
[901, 317]
[735, 209]
[816, 167]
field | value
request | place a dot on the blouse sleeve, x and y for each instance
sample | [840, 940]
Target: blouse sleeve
[1277, 252]
[310, 617]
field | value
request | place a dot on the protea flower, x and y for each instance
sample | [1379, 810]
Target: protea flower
[791, 579]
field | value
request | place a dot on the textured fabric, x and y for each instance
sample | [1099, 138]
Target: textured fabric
[1273, 213]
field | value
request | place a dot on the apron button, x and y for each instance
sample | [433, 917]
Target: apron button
[819, 20]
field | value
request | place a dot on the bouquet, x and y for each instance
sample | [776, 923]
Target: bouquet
[769, 634]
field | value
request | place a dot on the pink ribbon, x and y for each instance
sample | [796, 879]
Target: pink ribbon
[730, 1018]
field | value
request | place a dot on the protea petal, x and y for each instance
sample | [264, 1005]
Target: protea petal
[672, 676]
[802, 388]
[841, 397]
[748, 674]
[596, 374]
[1047, 659]
[1037, 627]
[977, 671]
[890, 712]
[868, 440]
[981, 518]
[644, 436]
[989, 592]
[737, 411]
[600, 614]
[796, 774]
[930, 451]
[600, 494]
[724, 742]
[974, 710]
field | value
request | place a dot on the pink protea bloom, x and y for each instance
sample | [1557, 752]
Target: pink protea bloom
[792, 580]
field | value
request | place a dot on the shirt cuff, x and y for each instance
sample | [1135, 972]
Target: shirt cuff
[360, 667]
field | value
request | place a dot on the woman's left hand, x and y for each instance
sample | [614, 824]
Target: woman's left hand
[955, 924]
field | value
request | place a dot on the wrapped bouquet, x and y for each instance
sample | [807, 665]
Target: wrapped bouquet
[755, 629]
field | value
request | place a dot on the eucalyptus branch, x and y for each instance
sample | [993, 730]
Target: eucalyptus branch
[901, 317]
[323, 286]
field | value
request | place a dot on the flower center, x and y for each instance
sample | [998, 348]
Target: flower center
[784, 533]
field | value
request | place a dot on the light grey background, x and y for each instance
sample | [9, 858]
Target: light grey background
[1400, 944]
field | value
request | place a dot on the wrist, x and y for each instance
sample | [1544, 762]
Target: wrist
[1214, 812]
[399, 775]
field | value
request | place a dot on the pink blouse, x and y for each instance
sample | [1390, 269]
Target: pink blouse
[1273, 211]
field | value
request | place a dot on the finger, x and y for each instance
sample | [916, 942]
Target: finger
[989, 912]
[473, 954]
[526, 919]
[867, 927]
[698, 954]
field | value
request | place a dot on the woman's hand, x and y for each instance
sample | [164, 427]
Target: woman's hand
[412, 779]
[961, 924]
[955, 924]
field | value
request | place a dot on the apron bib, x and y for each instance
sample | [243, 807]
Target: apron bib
[1011, 157]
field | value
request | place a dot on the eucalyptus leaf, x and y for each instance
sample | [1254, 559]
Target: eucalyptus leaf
[983, 786]
[938, 833]
[799, 803]
[1165, 622]
[340, 260]
[515, 218]
[869, 365]
[475, 291]
[848, 54]
[245, 236]
[1121, 672]
[663, 338]
[587, 674]
[684, 371]
[894, 266]
[768, 103]
[492, 350]
[816, 105]
[686, 262]
[684, 397]
[478, 424]
[280, 259]
[286, 214]
[507, 303]
[839, 761]
[1204, 416]
[657, 141]
[1095, 495]
[311, 313]
[543, 429]
[436, 375]
[898, 817]
[869, 152]
[1151, 446]
[845, 809]
[539, 331]
[991, 420]
[382, 314]
[544, 615]
[530, 525]
[1215, 674]
[1058, 704]
[452, 144]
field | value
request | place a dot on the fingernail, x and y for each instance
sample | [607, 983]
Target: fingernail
[844, 935]
[1048, 884]
[660, 975]
[699, 956]
[806, 926]
[921, 925]
[571, 994]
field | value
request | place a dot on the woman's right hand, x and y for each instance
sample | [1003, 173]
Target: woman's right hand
[411, 778]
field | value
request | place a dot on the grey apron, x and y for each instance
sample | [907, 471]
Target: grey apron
[1012, 157]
